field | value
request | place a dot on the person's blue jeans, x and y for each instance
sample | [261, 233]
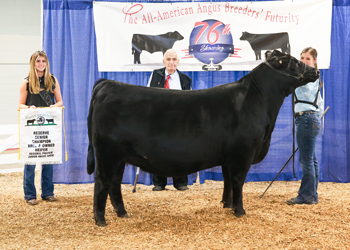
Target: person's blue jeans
[308, 128]
[47, 186]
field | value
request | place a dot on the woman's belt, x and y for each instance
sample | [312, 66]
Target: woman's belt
[305, 112]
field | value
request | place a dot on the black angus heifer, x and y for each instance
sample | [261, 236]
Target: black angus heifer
[175, 133]
[153, 43]
[272, 41]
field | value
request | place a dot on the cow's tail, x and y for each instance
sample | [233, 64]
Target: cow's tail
[91, 154]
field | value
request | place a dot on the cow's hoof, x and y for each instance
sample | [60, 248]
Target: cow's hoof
[101, 223]
[239, 214]
[123, 215]
[227, 205]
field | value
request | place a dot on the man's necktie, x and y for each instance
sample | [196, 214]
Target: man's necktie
[166, 85]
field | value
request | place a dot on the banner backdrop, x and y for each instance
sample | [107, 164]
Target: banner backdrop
[41, 136]
[208, 35]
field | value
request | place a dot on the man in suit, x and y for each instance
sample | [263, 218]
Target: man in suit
[170, 77]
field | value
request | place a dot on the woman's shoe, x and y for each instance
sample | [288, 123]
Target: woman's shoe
[294, 201]
[50, 199]
[32, 202]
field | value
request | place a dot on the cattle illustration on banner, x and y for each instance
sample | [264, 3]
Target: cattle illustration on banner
[208, 35]
[260, 42]
[40, 135]
[153, 44]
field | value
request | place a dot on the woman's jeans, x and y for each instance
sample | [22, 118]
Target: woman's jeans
[46, 181]
[308, 128]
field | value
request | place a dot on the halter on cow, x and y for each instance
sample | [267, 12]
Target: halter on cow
[229, 125]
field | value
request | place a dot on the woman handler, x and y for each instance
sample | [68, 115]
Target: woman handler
[39, 89]
[308, 109]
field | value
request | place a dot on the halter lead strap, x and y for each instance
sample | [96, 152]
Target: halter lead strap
[283, 72]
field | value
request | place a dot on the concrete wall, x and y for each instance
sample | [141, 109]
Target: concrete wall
[20, 36]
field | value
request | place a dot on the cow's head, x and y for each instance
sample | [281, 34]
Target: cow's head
[176, 35]
[289, 66]
[245, 36]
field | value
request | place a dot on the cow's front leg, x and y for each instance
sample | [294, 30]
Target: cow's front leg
[115, 192]
[237, 199]
[237, 176]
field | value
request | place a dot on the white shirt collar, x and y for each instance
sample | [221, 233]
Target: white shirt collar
[166, 73]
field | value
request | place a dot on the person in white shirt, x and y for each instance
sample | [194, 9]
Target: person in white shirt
[170, 77]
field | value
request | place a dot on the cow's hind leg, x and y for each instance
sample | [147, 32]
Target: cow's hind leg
[227, 194]
[115, 193]
[138, 56]
[102, 185]
[106, 166]
[256, 55]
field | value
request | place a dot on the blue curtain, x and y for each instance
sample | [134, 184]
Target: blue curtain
[70, 43]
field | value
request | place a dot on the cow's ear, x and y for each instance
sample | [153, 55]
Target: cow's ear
[279, 62]
[267, 54]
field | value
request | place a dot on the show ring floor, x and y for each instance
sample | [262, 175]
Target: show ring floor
[193, 219]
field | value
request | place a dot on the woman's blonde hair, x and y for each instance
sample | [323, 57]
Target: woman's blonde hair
[34, 84]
